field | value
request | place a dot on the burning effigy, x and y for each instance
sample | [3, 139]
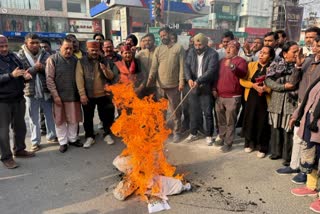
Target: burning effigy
[142, 127]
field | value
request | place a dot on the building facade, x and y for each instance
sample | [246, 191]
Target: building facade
[224, 14]
[51, 19]
[255, 17]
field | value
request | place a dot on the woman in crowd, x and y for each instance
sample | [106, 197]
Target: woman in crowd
[256, 129]
[283, 79]
[307, 118]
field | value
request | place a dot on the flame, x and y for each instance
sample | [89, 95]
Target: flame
[141, 125]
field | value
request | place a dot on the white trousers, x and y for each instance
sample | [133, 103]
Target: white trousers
[296, 150]
[67, 133]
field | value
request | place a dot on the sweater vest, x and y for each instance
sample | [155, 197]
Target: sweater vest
[65, 78]
[88, 70]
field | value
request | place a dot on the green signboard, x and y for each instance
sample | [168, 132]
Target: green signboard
[226, 17]
[240, 34]
[155, 32]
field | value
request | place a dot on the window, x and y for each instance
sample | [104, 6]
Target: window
[76, 6]
[93, 3]
[20, 4]
[54, 5]
[243, 21]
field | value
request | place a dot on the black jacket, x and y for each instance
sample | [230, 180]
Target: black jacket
[11, 89]
[30, 85]
[210, 68]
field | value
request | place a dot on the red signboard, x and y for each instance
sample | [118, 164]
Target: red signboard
[256, 32]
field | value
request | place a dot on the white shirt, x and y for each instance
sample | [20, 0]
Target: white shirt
[222, 53]
[200, 59]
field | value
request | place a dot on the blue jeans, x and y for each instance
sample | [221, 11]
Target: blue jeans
[33, 110]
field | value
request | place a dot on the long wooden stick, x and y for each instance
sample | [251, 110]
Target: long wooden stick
[179, 104]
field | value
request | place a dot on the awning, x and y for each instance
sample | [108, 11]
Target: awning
[139, 10]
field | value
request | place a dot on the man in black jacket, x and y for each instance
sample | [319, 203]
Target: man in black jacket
[12, 106]
[201, 69]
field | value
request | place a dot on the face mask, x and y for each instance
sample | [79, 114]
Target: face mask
[165, 41]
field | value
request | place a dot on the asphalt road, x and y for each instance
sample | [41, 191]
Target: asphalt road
[81, 182]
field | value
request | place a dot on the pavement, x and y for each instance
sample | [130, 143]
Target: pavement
[80, 181]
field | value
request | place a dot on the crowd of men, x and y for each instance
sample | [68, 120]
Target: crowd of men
[60, 89]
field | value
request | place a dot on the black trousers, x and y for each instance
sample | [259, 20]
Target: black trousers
[12, 115]
[281, 143]
[105, 112]
[199, 105]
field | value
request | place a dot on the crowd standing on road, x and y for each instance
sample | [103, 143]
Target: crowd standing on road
[273, 83]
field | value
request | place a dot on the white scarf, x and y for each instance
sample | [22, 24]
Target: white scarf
[38, 84]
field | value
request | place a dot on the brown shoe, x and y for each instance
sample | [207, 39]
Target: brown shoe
[35, 148]
[10, 164]
[24, 154]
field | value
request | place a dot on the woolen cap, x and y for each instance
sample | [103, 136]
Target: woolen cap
[93, 44]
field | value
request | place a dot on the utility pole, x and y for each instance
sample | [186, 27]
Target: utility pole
[168, 13]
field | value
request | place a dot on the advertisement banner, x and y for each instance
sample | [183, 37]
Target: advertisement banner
[155, 32]
[151, 7]
[293, 22]
[84, 26]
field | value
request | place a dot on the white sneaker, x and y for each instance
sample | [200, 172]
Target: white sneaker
[261, 155]
[247, 150]
[108, 139]
[191, 138]
[217, 138]
[88, 142]
[209, 141]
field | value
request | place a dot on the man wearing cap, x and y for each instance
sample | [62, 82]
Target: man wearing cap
[228, 92]
[201, 71]
[132, 41]
[61, 83]
[168, 70]
[12, 105]
[92, 74]
[36, 91]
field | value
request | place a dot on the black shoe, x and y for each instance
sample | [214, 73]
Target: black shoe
[76, 144]
[24, 154]
[63, 148]
[226, 148]
[274, 157]
[286, 163]
[43, 132]
[287, 171]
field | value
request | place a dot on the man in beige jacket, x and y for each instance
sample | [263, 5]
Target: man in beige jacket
[167, 70]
